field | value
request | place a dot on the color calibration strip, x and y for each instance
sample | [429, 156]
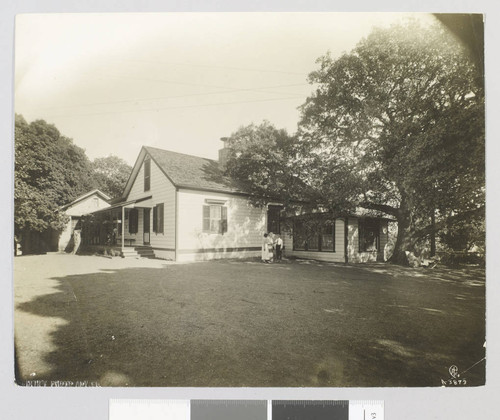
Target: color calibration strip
[122, 409]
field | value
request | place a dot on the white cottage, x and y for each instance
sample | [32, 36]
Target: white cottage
[86, 203]
[180, 207]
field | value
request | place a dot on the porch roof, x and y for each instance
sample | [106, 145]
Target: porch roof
[354, 215]
[144, 202]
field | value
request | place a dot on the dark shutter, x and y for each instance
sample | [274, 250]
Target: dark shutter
[206, 218]
[160, 218]
[133, 222]
[147, 174]
[155, 219]
[223, 220]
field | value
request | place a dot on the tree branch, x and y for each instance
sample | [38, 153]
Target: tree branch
[393, 211]
[427, 230]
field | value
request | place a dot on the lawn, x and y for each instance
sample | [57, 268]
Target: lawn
[243, 323]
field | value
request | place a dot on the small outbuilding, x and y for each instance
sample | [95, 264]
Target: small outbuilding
[86, 203]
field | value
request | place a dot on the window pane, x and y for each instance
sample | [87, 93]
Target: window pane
[327, 242]
[313, 243]
[214, 225]
[370, 239]
[299, 240]
[206, 218]
[215, 212]
[147, 175]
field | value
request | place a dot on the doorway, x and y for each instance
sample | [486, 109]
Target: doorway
[147, 226]
[273, 219]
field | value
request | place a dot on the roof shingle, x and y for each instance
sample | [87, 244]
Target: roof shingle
[192, 171]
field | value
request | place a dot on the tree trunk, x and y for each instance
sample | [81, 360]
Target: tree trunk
[433, 234]
[403, 239]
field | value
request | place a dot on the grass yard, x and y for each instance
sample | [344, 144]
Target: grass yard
[243, 323]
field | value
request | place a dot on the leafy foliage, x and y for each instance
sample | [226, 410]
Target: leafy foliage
[401, 118]
[49, 171]
[396, 126]
[264, 160]
[111, 174]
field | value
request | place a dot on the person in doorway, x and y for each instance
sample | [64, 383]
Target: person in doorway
[267, 249]
[278, 246]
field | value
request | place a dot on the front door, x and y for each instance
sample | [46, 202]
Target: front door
[273, 219]
[147, 217]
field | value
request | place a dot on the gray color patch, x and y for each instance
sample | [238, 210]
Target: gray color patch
[228, 410]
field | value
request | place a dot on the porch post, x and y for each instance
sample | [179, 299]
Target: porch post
[123, 228]
[346, 239]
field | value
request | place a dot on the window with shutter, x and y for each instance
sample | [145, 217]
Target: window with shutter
[214, 219]
[147, 174]
[158, 212]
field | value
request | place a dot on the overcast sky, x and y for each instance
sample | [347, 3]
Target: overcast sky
[115, 82]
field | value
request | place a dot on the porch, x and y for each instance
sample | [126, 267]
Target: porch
[123, 228]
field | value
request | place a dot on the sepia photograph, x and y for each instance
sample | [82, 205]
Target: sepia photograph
[238, 200]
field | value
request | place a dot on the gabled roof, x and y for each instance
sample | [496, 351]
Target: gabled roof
[87, 195]
[128, 204]
[186, 171]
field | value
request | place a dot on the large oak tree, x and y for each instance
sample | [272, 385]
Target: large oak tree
[396, 126]
[404, 114]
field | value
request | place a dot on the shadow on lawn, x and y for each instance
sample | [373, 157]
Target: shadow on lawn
[190, 325]
[472, 275]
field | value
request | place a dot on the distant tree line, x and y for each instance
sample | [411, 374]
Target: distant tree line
[396, 126]
[51, 171]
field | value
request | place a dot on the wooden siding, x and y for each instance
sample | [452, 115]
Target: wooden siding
[164, 254]
[354, 256]
[87, 205]
[384, 238]
[371, 256]
[246, 226]
[161, 191]
[337, 256]
[218, 254]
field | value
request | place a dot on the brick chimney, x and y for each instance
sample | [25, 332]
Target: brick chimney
[224, 152]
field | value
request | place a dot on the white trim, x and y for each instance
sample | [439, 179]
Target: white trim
[86, 195]
[215, 202]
